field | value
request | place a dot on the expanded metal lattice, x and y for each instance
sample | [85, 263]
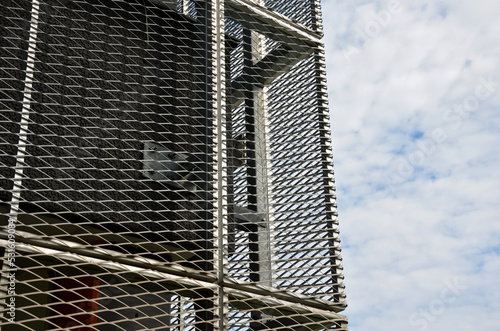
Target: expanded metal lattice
[166, 165]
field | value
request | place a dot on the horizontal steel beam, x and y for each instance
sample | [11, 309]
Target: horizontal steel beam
[277, 62]
[271, 24]
[71, 251]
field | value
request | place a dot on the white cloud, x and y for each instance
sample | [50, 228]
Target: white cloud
[416, 211]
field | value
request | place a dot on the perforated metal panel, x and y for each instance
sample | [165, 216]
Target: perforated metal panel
[166, 165]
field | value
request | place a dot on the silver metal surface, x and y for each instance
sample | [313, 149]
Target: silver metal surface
[167, 165]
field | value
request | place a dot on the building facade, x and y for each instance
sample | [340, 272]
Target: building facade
[166, 165]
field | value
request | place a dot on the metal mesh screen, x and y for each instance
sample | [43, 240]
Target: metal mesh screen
[166, 165]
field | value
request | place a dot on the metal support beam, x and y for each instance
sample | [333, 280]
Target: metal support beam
[278, 27]
[221, 226]
[182, 277]
[10, 252]
[258, 159]
[271, 66]
[327, 162]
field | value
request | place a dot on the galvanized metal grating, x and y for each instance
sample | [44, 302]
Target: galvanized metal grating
[166, 165]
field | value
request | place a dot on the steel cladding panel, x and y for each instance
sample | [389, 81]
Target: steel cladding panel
[167, 165]
[110, 76]
[13, 47]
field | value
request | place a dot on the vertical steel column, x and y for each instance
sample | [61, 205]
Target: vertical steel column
[262, 165]
[22, 140]
[259, 167]
[259, 177]
[218, 57]
[25, 113]
[326, 156]
[251, 155]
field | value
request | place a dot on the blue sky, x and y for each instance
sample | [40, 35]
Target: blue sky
[415, 102]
